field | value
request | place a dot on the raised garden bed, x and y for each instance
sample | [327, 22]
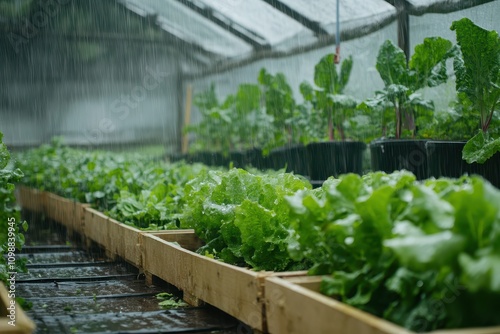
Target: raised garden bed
[31, 199]
[294, 305]
[236, 291]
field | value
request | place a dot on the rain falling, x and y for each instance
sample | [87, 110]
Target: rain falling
[249, 166]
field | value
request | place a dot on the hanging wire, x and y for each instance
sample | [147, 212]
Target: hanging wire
[337, 35]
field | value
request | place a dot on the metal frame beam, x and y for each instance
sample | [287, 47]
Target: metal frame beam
[172, 37]
[323, 41]
[255, 40]
[315, 26]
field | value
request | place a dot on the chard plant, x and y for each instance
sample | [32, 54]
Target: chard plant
[335, 107]
[279, 105]
[212, 131]
[237, 123]
[426, 68]
[477, 70]
[252, 126]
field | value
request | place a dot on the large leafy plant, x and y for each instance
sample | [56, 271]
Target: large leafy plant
[328, 99]
[213, 132]
[424, 255]
[477, 70]
[279, 104]
[242, 217]
[237, 123]
[399, 104]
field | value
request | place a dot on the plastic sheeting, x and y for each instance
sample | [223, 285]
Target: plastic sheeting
[419, 7]
[271, 25]
[355, 15]
[240, 30]
[261, 21]
[183, 23]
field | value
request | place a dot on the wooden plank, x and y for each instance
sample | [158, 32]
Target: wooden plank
[294, 305]
[60, 209]
[78, 217]
[125, 242]
[236, 291]
[490, 330]
[23, 324]
[96, 227]
[292, 308]
[185, 238]
[50, 206]
[30, 198]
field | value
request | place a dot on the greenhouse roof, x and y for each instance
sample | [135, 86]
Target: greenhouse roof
[208, 35]
[243, 30]
[236, 29]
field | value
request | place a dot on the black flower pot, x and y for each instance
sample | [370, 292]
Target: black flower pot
[391, 155]
[445, 159]
[334, 158]
[238, 158]
[181, 157]
[294, 157]
[255, 158]
[211, 158]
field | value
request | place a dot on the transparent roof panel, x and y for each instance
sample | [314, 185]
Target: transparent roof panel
[190, 26]
[259, 17]
[419, 7]
[354, 14]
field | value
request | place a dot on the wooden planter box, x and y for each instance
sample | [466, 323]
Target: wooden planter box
[116, 238]
[294, 305]
[31, 199]
[124, 242]
[96, 228]
[23, 324]
[236, 291]
[77, 216]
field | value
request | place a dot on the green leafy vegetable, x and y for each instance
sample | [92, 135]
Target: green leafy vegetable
[421, 254]
[334, 108]
[133, 188]
[242, 217]
[426, 68]
[11, 226]
[477, 69]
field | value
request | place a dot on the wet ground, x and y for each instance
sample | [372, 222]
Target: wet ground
[73, 290]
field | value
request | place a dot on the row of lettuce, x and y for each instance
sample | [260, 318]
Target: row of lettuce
[422, 254]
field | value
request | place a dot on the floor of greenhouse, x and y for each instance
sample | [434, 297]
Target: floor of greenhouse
[73, 290]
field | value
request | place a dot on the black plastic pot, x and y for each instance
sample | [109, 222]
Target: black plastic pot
[445, 159]
[255, 158]
[211, 158]
[397, 154]
[334, 158]
[252, 157]
[181, 156]
[238, 158]
[294, 157]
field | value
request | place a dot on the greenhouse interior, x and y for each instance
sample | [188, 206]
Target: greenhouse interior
[250, 166]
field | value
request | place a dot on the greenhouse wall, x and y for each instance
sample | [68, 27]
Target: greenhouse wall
[365, 79]
[114, 100]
